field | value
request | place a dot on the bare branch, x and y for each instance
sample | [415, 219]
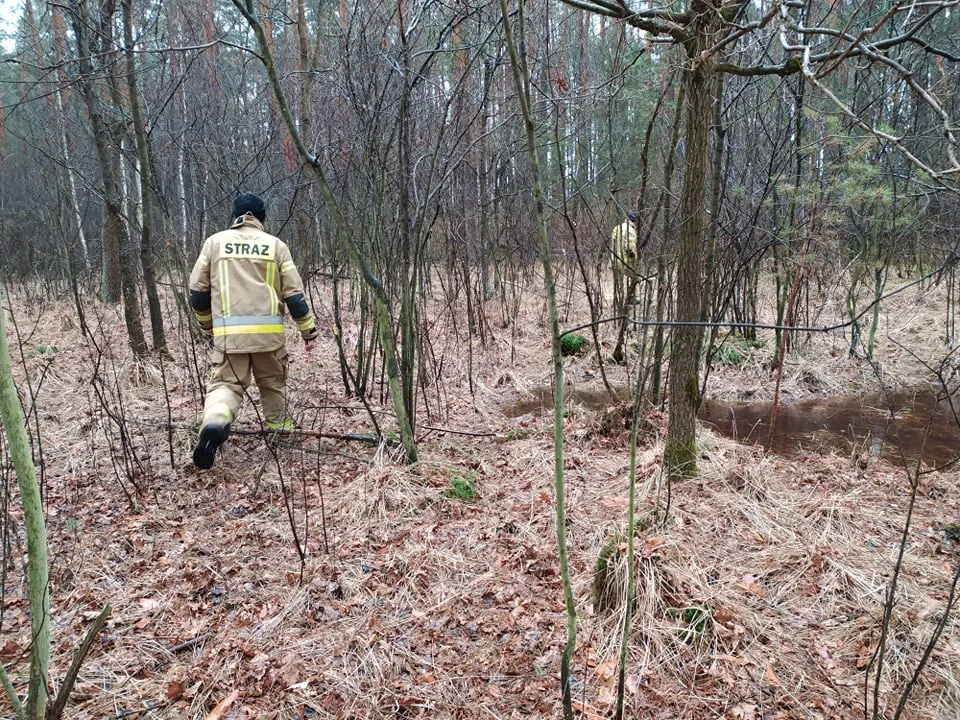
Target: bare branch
[940, 176]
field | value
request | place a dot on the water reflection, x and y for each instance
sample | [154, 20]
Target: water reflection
[921, 424]
[911, 424]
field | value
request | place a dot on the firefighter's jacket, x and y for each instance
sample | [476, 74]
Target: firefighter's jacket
[623, 242]
[239, 286]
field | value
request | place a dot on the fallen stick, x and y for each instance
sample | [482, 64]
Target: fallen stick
[188, 644]
[55, 710]
[369, 438]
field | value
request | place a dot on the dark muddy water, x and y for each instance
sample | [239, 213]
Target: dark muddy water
[921, 424]
[914, 424]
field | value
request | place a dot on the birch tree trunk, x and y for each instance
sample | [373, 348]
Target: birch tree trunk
[60, 44]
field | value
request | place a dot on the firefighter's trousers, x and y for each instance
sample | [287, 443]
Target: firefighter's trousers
[230, 378]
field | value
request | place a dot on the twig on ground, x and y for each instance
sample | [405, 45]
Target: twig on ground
[55, 711]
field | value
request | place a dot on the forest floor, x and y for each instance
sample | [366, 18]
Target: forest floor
[316, 577]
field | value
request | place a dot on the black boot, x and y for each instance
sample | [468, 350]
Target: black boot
[211, 437]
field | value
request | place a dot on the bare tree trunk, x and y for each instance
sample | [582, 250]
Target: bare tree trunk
[60, 45]
[521, 76]
[176, 19]
[680, 448]
[664, 262]
[485, 255]
[71, 182]
[146, 200]
[181, 180]
[408, 271]
[716, 183]
[3, 133]
[37, 568]
[119, 260]
[305, 57]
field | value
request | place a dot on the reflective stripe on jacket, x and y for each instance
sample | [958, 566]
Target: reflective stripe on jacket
[247, 274]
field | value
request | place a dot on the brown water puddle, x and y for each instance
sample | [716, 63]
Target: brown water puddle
[921, 426]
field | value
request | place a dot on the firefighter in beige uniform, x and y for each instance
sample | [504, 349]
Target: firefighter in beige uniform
[623, 248]
[238, 287]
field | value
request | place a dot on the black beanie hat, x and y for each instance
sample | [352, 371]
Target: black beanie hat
[249, 203]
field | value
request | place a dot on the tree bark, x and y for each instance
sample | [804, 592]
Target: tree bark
[521, 76]
[680, 448]
[37, 567]
[69, 172]
[145, 174]
[408, 255]
[119, 259]
[113, 229]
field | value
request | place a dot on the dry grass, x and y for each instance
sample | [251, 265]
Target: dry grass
[758, 596]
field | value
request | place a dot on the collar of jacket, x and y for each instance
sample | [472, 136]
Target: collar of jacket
[247, 220]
